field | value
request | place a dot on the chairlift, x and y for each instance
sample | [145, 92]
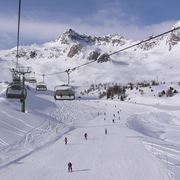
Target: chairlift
[41, 86]
[31, 79]
[64, 92]
[16, 79]
[16, 91]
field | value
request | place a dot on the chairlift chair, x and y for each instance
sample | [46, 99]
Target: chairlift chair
[31, 80]
[64, 92]
[16, 91]
[41, 86]
[16, 79]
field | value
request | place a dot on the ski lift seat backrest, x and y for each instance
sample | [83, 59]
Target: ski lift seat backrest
[16, 80]
[64, 92]
[41, 86]
[31, 80]
[16, 91]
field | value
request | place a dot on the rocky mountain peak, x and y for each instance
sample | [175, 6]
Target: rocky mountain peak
[72, 44]
[72, 36]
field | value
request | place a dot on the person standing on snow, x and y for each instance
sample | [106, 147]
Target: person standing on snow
[65, 140]
[85, 136]
[69, 167]
[105, 131]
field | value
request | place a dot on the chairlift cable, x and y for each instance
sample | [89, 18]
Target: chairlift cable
[85, 64]
[51, 74]
[115, 52]
[19, 18]
[149, 39]
[136, 44]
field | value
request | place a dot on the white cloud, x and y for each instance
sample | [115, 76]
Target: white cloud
[43, 30]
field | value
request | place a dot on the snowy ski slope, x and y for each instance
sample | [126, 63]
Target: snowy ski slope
[142, 144]
[118, 155]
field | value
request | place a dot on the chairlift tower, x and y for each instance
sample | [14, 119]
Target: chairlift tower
[22, 71]
[19, 72]
[68, 74]
[43, 75]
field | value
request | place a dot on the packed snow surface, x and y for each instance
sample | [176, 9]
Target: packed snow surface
[142, 143]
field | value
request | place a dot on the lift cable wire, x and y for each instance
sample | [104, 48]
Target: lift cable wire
[85, 64]
[19, 18]
[52, 74]
[115, 52]
[149, 39]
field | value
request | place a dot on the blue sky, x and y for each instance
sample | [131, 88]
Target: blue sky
[44, 20]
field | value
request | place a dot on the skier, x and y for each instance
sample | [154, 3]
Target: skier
[65, 140]
[114, 115]
[113, 120]
[69, 167]
[104, 119]
[28, 87]
[85, 136]
[105, 131]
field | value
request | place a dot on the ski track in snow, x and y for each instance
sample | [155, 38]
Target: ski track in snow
[121, 154]
[93, 159]
[4, 143]
[18, 119]
[13, 127]
[167, 155]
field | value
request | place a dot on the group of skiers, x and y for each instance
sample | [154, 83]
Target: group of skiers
[66, 140]
[85, 137]
[70, 163]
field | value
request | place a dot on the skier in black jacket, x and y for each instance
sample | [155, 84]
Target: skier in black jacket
[69, 167]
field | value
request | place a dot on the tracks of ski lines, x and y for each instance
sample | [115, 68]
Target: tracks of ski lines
[17, 119]
[114, 156]
[12, 128]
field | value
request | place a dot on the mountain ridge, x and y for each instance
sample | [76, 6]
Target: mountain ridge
[72, 49]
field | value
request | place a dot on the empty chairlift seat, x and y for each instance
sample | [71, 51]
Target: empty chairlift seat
[16, 91]
[64, 92]
[31, 80]
[41, 86]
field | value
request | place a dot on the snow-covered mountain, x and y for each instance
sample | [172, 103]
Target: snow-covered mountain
[156, 58]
